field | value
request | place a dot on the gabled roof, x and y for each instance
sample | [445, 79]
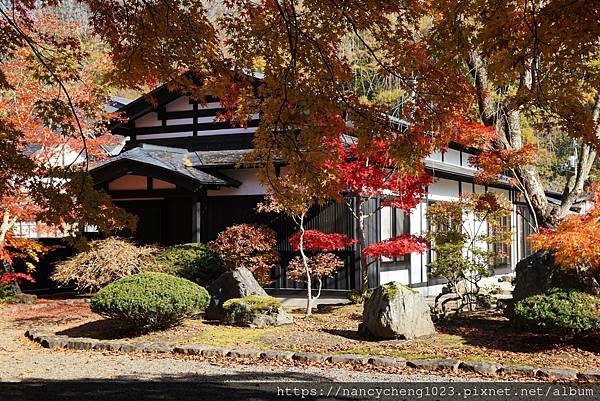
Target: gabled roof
[172, 164]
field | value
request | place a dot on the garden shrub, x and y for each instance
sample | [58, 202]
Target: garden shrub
[196, 262]
[104, 262]
[559, 311]
[150, 300]
[10, 295]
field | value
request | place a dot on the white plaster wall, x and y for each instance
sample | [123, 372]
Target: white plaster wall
[148, 120]
[250, 184]
[437, 155]
[400, 276]
[452, 156]
[180, 121]
[443, 189]
[180, 104]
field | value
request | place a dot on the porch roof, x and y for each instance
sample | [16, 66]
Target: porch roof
[169, 163]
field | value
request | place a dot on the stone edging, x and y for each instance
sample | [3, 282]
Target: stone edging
[481, 367]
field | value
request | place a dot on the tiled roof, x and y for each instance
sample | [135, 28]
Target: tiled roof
[174, 160]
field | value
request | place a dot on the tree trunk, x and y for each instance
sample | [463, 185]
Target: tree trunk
[507, 122]
[5, 227]
[362, 241]
[309, 298]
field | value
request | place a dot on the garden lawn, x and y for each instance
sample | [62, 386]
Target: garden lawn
[483, 336]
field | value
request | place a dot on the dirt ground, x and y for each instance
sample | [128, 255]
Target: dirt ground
[476, 336]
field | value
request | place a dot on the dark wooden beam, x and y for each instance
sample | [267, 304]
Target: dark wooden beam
[171, 129]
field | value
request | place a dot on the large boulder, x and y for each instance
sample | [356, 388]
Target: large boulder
[538, 273]
[237, 283]
[396, 311]
[255, 311]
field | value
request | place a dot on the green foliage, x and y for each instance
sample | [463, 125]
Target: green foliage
[9, 294]
[253, 303]
[150, 300]
[559, 311]
[358, 297]
[196, 262]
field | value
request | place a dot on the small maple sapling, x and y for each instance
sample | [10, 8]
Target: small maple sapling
[320, 263]
[249, 246]
[295, 201]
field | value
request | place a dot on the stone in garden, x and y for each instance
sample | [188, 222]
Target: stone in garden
[254, 311]
[277, 355]
[558, 373]
[434, 364]
[244, 353]
[81, 343]
[193, 349]
[310, 357]
[350, 359]
[486, 368]
[520, 370]
[237, 283]
[396, 311]
[537, 273]
[158, 348]
[215, 352]
[591, 375]
[388, 362]
[127, 347]
[53, 342]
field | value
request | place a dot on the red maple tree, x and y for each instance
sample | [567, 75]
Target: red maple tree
[371, 179]
[51, 125]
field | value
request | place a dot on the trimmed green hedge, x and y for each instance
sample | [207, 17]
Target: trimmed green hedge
[559, 311]
[150, 300]
[196, 262]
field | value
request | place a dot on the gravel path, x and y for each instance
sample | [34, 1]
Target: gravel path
[23, 360]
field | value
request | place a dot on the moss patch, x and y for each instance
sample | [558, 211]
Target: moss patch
[390, 290]
[227, 336]
[253, 303]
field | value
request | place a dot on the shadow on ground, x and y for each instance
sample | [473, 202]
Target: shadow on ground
[105, 329]
[491, 331]
[264, 386]
[271, 387]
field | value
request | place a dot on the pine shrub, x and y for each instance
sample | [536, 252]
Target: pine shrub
[150, 300]
[559, 311]
[196, 262]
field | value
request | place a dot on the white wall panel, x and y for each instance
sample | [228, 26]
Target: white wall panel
[250, 184]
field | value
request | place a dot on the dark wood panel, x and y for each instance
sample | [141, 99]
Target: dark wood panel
[221, 212]
[170, 129]
[201, 143]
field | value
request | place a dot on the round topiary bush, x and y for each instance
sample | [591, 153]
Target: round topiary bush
[559, 311]
[150, 300]
[196, 262]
